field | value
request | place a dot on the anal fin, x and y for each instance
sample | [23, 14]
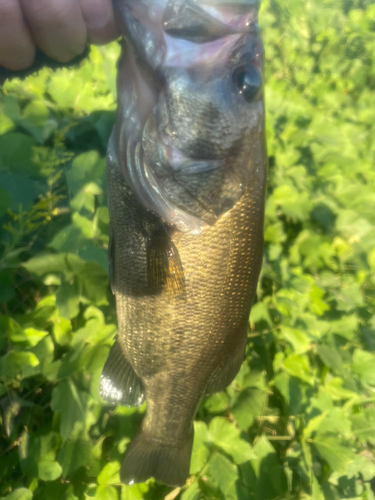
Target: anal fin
[119, 383]
[225, 374]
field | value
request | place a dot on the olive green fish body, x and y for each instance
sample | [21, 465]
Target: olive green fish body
[186, 190]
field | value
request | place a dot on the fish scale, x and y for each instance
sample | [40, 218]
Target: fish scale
[183, 291]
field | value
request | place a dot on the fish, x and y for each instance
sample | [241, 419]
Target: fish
[186, 175]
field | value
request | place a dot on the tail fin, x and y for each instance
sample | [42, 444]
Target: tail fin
[148, 458]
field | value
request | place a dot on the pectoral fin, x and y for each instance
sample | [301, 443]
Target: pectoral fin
[119, 383]
[164, 268]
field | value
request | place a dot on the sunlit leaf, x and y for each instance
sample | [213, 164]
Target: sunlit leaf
[337, 453]
[19, 494]
[224, 435]
[75, 411]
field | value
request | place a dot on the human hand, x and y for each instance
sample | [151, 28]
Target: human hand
[60, 28]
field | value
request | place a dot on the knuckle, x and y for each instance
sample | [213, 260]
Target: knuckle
[54, 12]
[9, 12]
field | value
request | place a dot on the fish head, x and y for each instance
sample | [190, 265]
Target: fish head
[200, 129]
[211, 109]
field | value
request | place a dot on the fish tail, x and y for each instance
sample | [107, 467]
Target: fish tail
[147, 458]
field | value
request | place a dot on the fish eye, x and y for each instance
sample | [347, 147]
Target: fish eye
[248, 81]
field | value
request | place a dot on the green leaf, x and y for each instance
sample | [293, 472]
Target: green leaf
[249, 405]
[75, 411]
[62, 330]
[16, 153]
[94, 254]
[363, 424]
[336, 452]
[217, 403]
[264, 475]
[260, 312]
[19, 494]
[10, 328]
[335, 420]
[200, 452]
[362, 466]
[110, 474]
[73, 455]
[224, 473]
[295, 205]
[298, 339]
[21, 189]
[56, 491]
[331, 358]
[7, 291]
[49, 471]
[12, 363]
[298, 366]
[335, 390]
[69, 239]
[92, 283]
[224, 435]
[46, 263]
[106, 493]
[38, 455]
[134, 492]
[86, 168]
[67, 300]
[193, 492]
[5, 201]
[37, 122]
[29, 336]
[44, 351]
[364, 366]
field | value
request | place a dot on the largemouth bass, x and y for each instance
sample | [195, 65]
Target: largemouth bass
[186, 188]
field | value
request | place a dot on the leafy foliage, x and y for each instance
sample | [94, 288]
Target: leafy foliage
[299, 419]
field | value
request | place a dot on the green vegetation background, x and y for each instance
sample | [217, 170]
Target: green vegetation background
[299, 420]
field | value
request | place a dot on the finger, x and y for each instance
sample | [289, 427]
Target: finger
[57, 27]
[17, 50]
[100, 20]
